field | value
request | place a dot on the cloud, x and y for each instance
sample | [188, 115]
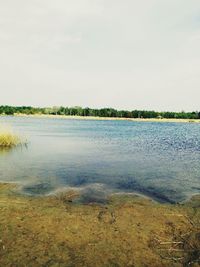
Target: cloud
[132, 54]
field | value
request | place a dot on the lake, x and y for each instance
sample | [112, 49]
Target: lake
[157, 159]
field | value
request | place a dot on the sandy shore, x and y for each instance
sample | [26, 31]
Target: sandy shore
[128, 231]
[107, 118]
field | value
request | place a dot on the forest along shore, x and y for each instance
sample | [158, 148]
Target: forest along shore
[128, 231]
[100, 112]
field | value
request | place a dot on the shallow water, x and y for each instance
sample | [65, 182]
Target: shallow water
[160, 160]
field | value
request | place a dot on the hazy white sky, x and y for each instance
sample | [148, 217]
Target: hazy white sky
[121, 53]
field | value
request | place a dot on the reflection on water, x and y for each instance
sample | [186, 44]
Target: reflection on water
[5, 150]
[160, 160]
[9, 149]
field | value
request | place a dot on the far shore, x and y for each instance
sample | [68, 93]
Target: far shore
[108, 118]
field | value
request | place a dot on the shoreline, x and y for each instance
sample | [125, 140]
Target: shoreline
[81, 197]
[78, 194]
[105, 118]
[52, 231]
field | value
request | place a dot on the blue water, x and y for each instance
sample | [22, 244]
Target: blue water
[160, 160]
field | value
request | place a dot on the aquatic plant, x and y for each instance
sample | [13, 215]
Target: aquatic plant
[8, 139]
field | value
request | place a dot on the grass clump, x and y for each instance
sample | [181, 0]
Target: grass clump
[9, 139]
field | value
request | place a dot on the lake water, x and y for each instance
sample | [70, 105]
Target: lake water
[160, 160]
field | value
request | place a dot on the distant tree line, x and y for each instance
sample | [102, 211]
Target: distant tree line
[103, 112]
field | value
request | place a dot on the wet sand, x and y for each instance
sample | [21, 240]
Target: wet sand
[127, 231]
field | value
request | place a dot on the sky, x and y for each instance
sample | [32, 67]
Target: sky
[126, 54]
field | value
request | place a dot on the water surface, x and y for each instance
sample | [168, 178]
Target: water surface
[157, 159]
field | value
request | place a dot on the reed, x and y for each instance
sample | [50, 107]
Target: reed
[8, 139]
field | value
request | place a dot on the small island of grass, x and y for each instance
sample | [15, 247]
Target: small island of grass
[8, 139]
